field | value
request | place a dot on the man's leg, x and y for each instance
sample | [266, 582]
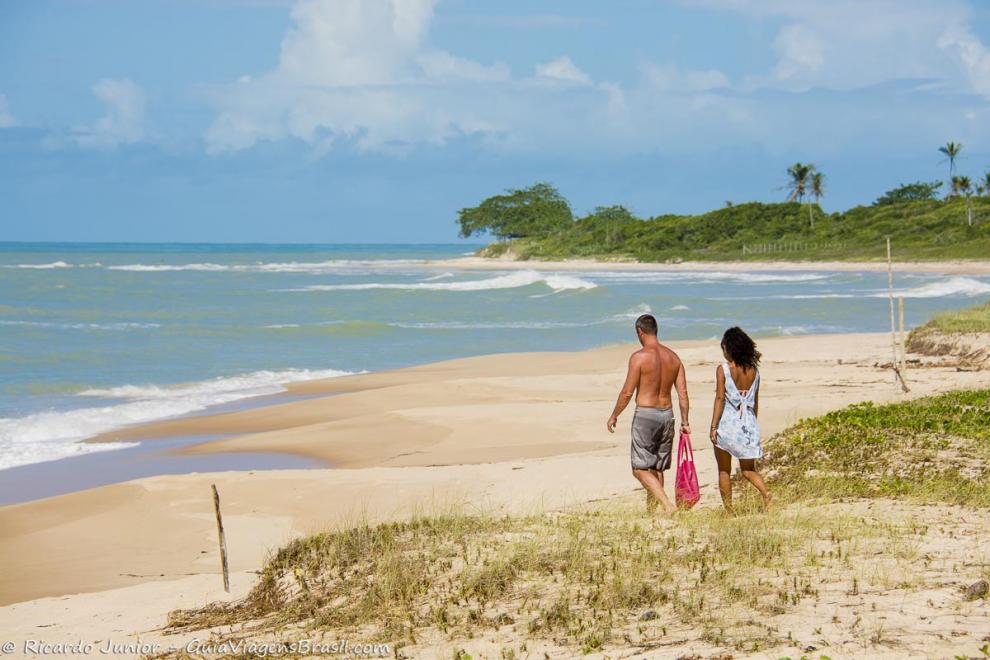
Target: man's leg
[651, 502]
[653, 486]
[724, 460]
[659, 475]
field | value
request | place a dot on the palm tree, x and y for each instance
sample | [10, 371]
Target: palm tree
[961, 185]
[817, 190]
[951, 151]
[984, 186]
[799, 173]
[801, 177]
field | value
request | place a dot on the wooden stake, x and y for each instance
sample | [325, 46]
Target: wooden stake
[903, 336]
[223, 541]
[893, 329]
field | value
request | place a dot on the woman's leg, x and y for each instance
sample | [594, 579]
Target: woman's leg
[748, 466]
[724, 460]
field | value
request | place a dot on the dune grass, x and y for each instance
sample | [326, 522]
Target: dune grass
[933, 449]
[970, 319]
[581, 578]
[608, 573]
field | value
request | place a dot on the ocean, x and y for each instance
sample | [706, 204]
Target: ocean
[98, 336]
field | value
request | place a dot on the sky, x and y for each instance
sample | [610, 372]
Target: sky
[337, 121]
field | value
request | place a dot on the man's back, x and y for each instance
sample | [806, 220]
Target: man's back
[653, 370]
[658, 369]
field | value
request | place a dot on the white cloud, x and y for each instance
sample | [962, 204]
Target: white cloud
[363, 74]
[973, 55]
[124, 121]
[846, 44]
[358, 70]
[529, 22]
[353, 42]
[442, 66]
[562, 69]
[7, 119]
[800, 53]
[671, 78]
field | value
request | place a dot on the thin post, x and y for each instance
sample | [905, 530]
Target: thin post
[900, 310]
[893, 328]
[223, 541]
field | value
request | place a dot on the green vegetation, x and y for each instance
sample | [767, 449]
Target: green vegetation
[911, 192]
[934, 449]
[922, 229]
[527, 213]
[609, 574]
[971, 319]
[584, 578]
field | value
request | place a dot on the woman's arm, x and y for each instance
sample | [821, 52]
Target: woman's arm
[756, 403]
[719, 401]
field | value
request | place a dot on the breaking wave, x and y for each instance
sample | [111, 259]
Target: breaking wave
[525, 278]
[52, 435]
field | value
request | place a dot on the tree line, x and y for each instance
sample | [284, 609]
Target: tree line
[540, 210]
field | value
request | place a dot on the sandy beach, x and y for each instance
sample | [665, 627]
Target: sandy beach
[512, 433]
[948, 267]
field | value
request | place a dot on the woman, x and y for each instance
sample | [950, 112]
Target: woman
[735, 431]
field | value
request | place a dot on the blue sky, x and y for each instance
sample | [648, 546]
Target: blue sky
[376, 120]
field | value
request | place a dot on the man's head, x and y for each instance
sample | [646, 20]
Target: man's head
[646, 326]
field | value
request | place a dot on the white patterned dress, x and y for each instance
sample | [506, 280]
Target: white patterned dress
[738, 433]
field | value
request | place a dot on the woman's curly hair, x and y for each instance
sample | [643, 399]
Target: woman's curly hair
[740, 348]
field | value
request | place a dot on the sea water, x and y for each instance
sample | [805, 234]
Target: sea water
[97, 336]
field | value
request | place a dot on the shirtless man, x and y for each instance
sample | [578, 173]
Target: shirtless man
[653, 370]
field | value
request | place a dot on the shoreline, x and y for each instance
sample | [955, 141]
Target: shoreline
[37, 481]
[953, 267]
[510, 432]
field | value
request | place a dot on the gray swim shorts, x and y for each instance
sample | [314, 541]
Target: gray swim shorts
[652, 438]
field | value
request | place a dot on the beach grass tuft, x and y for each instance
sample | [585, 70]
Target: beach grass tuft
[582, 578]
[932, 449]
[970, 319]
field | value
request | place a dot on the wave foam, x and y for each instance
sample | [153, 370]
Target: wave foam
[53, 265]
[952, 287]
[82, 326]
[557, 282]
[159, 268]
[955, 286]
[705, 276]
[52, 435]
[315, 267]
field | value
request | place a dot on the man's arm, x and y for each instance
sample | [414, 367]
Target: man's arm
[680, 383]
[625, 394]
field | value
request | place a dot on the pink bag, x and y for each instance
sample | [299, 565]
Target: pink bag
[686, 490]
